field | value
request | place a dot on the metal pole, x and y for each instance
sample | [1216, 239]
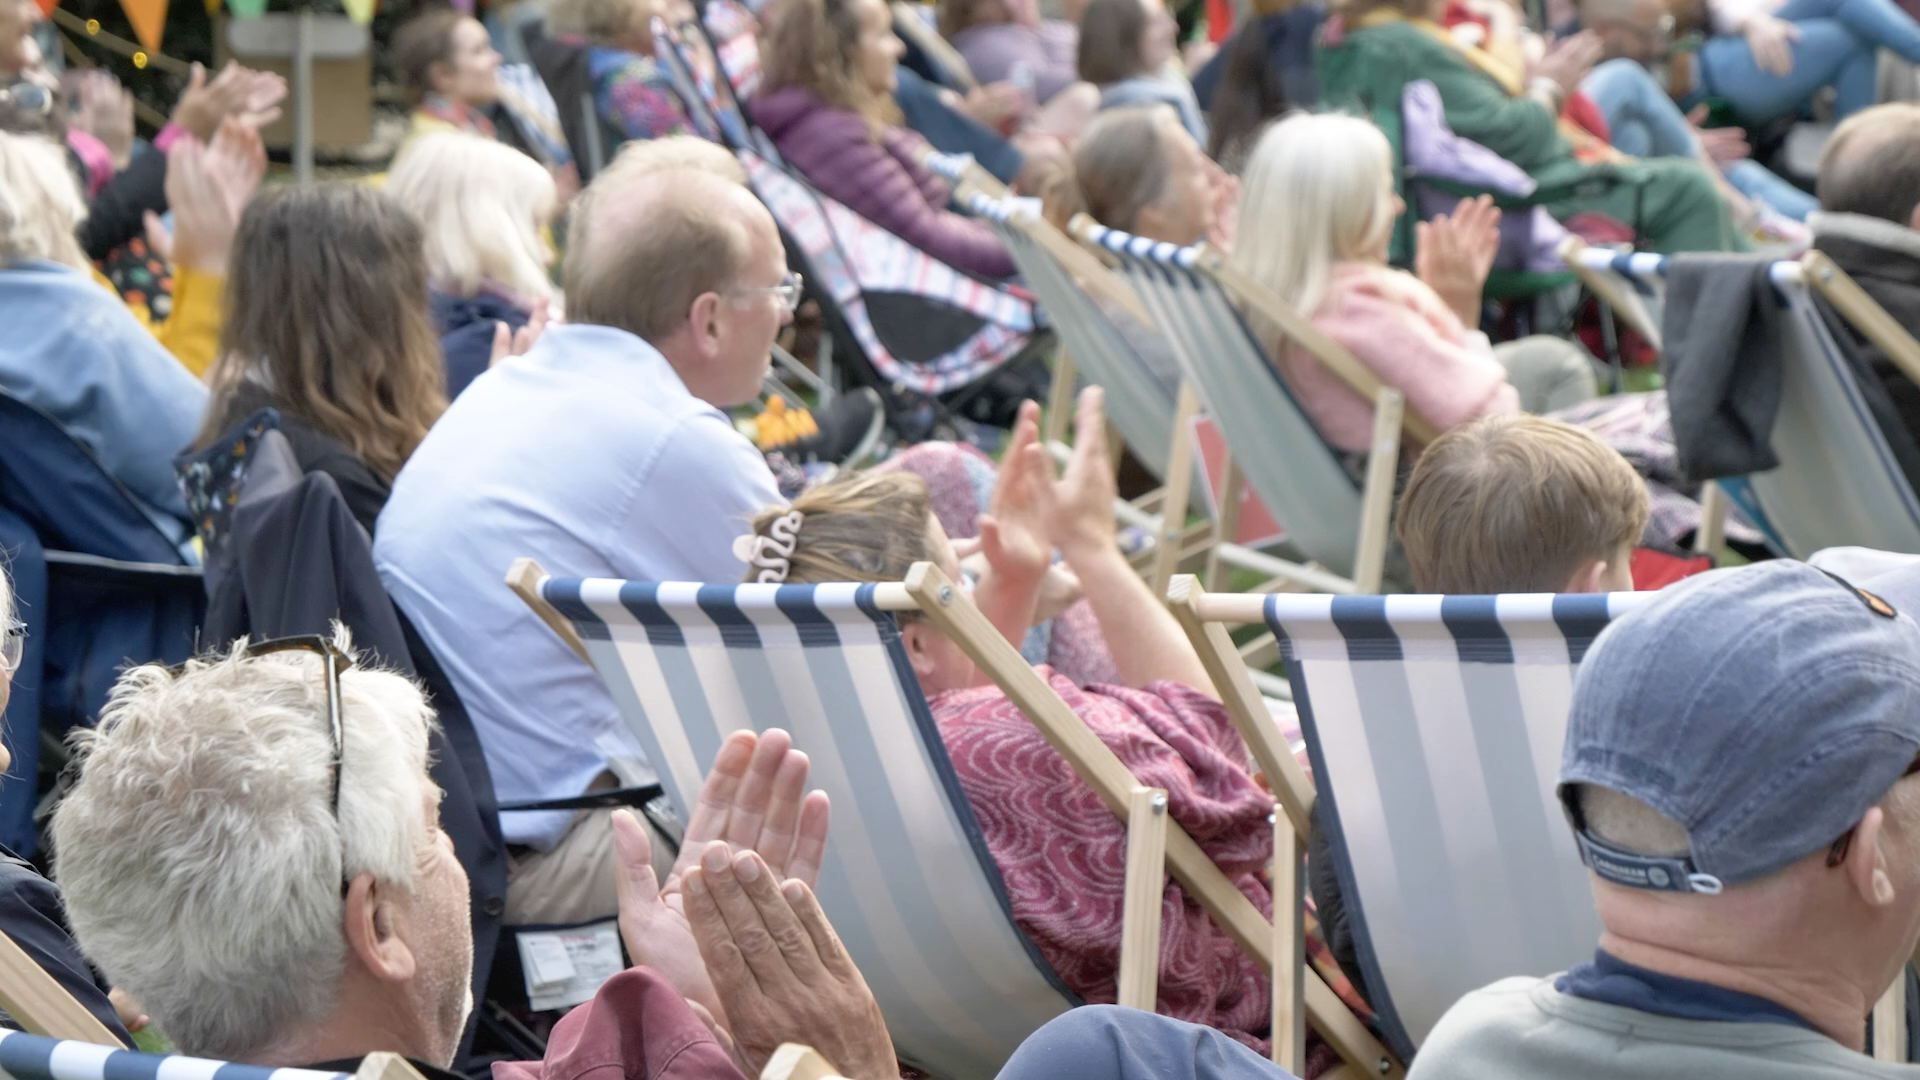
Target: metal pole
[303, 96]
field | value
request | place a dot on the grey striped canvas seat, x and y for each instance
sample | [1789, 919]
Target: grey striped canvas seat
[908, 881]
[1838, 483]
[36, 1057]
[1285, 461]
[1435, 727]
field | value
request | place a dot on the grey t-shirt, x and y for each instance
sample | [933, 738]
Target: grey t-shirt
[1524, 1029]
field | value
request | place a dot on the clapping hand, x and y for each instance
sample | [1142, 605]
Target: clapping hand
[780, 969]
[1453, 254]
[252, 97]
[1771, 41]
[1082, 519]
[510, 342]
[1013, 531]
[208, 185]
[106, 113]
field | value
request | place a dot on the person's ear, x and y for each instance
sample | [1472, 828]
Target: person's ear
[704, 318]
[1866, 864]
[1913, 218]
[917, 637]
[1589, 578]
[372, 925]
[439, 73]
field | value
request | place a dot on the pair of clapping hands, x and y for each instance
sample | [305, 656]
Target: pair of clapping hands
[736, 927]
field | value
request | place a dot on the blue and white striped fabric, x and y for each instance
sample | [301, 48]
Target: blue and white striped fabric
[36, 1057]
[1435, 726]
[1138, 402]
[908, 880]
[1838, 483]
[1281, 454]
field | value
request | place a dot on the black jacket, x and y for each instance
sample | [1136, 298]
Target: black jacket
[1722, 363]
[316, 451]
[33, 915]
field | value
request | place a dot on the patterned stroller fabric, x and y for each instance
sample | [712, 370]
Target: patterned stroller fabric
[922, 325]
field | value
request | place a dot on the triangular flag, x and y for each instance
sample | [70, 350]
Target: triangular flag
[213, 8]
[360, 11]
[47, 6]
[149, 19]
[246, 9]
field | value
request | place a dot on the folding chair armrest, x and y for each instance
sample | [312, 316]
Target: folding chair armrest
[593, 800]
[386, 1065]
[524, 578]
[39, 1004]
[1624, 305]
[792, 1061]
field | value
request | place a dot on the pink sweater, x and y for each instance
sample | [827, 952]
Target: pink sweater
[1407, 335]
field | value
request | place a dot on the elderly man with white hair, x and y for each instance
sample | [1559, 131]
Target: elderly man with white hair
[253, 851]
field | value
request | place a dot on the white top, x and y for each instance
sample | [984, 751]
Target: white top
[588, 454]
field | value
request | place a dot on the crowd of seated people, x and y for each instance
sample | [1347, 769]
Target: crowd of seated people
[490, 361]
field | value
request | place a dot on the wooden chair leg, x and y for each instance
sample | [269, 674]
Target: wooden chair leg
[1712, 532]
[1173, 508]
[1060, 399]
[1376, 507]
[1226, 524]
[1146, 885]
[1890, 1022]
[1289, 949]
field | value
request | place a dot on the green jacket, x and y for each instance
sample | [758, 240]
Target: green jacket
[1669, 202]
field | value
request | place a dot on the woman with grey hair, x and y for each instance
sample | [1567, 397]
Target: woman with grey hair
[31, 911]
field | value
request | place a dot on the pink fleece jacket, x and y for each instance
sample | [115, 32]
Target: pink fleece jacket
[1407, 335]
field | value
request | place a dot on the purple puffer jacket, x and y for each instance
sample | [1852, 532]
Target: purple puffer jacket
[879, 181]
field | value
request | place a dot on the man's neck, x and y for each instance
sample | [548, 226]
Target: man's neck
[1823, 998]
[348, 1035]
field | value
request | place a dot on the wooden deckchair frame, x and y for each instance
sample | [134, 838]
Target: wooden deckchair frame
[1394, 423]
[908, 24]
[1274, 946]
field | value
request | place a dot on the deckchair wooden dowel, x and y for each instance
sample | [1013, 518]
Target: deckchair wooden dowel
[1110, 779]
[1173, 512]
[39, 1004]
[524, 578]
[1060, 397]
[1863, 313]
[1890, 1022]
[1289, 949]
[793, 1061]
[1712, 531]
[1226, 519]
[386, 1065]
[1376, 503]
[1253, 296]
[1138, 986]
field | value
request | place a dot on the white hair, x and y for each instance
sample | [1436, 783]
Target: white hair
[40, 202]
[484, 205]
[1318, 189]
[199, 854]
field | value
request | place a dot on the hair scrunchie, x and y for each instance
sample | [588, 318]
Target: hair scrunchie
[771, 553]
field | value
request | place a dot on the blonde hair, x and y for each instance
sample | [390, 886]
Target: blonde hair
[483, 205]
[1318, 189]
[40, 203]
[601, 22]
[1516, 503]
[868, 527]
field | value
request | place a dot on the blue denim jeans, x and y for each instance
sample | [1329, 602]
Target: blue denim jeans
[953, 132]
[1837, 46]
[1645, 122]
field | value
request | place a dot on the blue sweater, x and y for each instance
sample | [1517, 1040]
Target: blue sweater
[73, 349]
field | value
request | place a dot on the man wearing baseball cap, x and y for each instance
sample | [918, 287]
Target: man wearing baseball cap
[1739, 775]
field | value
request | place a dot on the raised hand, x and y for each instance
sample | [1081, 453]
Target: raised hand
[1083, 496]
[208, 186]
[1772, 41]
[509, 342]
[652, 923]
[780, 969]
[106, 113]
[1013, 531]
[1568, 60]
[755, 798]
[1453, 254]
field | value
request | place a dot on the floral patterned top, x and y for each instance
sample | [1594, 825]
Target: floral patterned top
[634, 95]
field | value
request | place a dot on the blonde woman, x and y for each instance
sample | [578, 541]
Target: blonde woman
[70, 346]
[485, 208]
[1316, 209]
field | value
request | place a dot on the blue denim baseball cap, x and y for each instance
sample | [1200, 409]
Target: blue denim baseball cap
[1763, 709]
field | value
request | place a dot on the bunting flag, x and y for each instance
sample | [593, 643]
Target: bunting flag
[149, 19]
[360, 11]
[244, 9]
[46, 7]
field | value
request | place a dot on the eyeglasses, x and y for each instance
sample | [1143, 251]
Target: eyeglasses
[30, 98]
[335, 662]
[13, 642]
[788, 290]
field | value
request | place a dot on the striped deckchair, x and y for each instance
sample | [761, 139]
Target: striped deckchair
[908, 880]
[1434, 725]
[37, 1057]
[1196, 299]
[1838, 482]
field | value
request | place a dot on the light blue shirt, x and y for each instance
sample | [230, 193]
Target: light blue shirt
[72, 349]
[588, 454]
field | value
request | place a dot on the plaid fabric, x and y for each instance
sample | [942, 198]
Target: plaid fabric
[852, 256]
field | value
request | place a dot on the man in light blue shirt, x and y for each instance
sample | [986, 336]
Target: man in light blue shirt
[603, 452]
